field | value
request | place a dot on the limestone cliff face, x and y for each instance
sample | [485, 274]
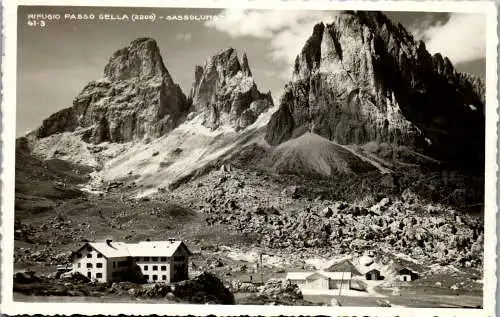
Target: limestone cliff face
[137, 98]
[362, 78]
[224, 92]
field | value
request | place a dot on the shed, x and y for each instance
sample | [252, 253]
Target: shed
[373, 274]
[320, 280]
[406, 275]
[343, 266]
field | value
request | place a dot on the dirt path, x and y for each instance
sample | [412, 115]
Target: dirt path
[382, 169]
[371, 289]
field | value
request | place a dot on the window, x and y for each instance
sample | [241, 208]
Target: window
[163, 267]
[98, 265]
[99, 255]
[155, 277]
[179, 258]
[146, 277]
[122, 263]
[155, 267]
[145, 267]
[89, 255]
[163, 259]
[137, 258]
[79, 265]
[114, 264]
[89, 265]
[89, 274]
[146, 259]
[89, 249]
[98, 275]
[79, 255]
[155, 259]
[163, 277]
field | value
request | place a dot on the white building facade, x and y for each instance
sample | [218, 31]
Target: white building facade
[151, 261]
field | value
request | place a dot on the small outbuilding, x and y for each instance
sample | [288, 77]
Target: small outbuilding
[320, 280]
[406, 275]
[344, 265]
[373, 274]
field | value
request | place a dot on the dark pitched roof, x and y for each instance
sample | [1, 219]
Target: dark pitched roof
[343, 266]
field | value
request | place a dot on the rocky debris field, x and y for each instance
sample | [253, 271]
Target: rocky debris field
[251, 203]
[277, 292]
[205, 288]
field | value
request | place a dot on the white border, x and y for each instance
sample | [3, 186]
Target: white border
[8, 151]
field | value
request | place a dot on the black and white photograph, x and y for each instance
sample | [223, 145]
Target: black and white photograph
[205, 156]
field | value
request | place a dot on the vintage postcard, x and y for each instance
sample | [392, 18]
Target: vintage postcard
[249, 157]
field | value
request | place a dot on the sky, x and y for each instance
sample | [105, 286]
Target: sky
[56, 60]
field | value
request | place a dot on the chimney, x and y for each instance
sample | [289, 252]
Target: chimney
[171, 240]
[108, 241]
[148, 239]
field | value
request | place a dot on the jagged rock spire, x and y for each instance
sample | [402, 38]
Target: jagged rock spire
[224, 92]
[141, 59]
[244, 66]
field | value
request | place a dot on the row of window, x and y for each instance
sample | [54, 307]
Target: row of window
[89, 255]
[155, 268]
[114, 274]
[138, 259]
[162, 259]
[89, 265]
[153, 259]
[155, 277]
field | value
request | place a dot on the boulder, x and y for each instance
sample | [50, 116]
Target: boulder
[74, 277]
[27, 277]
[327, 212]
[383, 303]
[203, 286]
[275, 288]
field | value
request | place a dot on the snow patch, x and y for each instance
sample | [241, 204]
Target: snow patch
[262, 119]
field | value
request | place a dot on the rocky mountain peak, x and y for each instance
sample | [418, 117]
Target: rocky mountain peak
[136, 99]
[140, 60]
[361, 78]
[224, 91]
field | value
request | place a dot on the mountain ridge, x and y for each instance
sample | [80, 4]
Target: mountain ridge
[338, 91]
[361, 78]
